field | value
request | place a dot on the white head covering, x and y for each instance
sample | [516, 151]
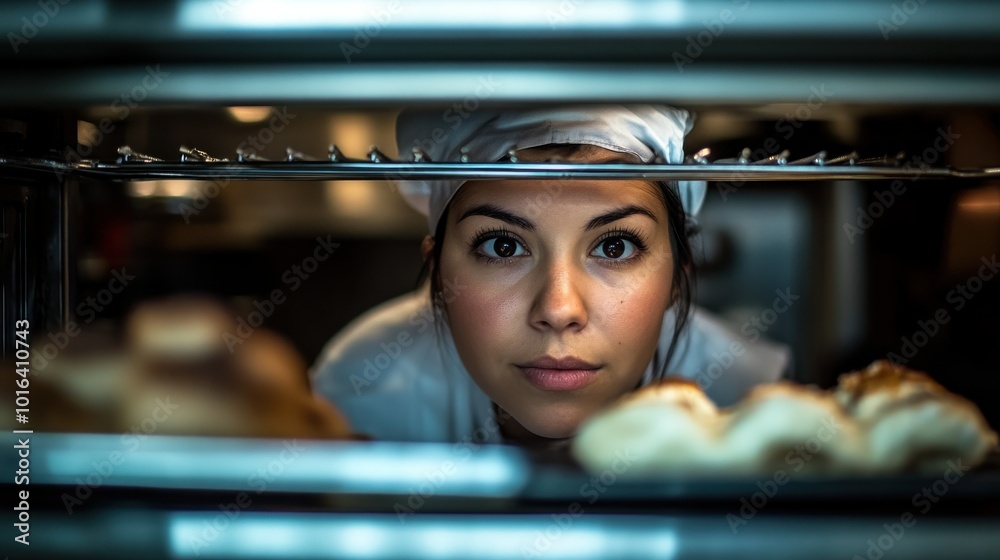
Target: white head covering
[649, 132]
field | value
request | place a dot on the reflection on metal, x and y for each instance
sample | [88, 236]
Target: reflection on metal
[126, 154]
[264, 52]
[572, 533]
[243, 156]
[202, 463]
[335, 155]
[194, 154]
[398, 84]
[196, 164]
[292, 154]
[815, 159]
[564, 535]
[440, 16]
[578, 530]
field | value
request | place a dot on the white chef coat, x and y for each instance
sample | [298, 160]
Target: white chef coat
[395, 379]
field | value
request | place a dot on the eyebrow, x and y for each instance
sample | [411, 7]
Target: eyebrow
[498, 213]
[618, 214]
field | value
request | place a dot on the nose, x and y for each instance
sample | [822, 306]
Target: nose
[560, 303]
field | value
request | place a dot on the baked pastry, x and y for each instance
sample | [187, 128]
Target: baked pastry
[794, 428]
[192, 381]
[885, 418]
[675, 391]
[668, 427]
[911, 421]
[865, 394]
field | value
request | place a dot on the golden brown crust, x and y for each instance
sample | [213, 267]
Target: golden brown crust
[884, 418]
[667, 384]
[667, 388]
[783, 387]
[889, 379]
[175, 368]
[673, 391]
[884, 375]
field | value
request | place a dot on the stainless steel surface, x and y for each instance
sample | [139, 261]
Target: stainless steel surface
[450, 470]
[524, 82]
[373, 52]
[128, 154]
[300, 506]
[194, 154]
[584, 535]
[451, 18]
[137, 460]
[769, 170]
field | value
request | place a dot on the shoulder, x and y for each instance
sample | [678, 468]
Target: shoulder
[407, 314]
[385, 371]
[725, 363]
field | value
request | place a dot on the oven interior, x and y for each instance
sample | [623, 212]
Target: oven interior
[899, 221]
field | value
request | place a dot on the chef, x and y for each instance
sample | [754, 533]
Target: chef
[544, 300]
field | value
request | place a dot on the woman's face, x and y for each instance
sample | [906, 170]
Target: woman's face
[539, 274]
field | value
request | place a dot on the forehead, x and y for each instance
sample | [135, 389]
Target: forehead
[550, 197]
[553, 196]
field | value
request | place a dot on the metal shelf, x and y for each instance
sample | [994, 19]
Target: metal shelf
[359, 500]
[358, 170]
[534, 51]
[586, 535]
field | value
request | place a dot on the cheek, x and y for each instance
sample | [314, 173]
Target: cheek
[478, 311]
[633, 311]
[481, 307]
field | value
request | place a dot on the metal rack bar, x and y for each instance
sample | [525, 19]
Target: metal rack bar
[578, 533]
[297, 170]
[199, 463]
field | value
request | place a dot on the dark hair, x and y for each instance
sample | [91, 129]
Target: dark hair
[681, 231]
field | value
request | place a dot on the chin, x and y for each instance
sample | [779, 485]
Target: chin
[554, 426]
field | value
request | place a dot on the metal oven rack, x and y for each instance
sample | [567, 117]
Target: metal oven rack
[393, 500]
[197, 165]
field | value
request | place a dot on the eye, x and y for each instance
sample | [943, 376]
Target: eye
[497, 245]
[502, 247]
[620, 247]
[615, 248]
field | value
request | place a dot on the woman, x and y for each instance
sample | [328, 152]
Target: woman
[546, 299]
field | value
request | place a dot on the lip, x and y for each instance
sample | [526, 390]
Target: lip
[569, 362]
[559, 374]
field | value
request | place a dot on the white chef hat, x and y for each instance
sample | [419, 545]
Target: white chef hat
[649, 132]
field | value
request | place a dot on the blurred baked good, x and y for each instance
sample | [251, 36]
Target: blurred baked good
[885, 418]
[911, 421]
[793, 427]
[668, 427]
[173, 373]
[222, 381]
[678, 392]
